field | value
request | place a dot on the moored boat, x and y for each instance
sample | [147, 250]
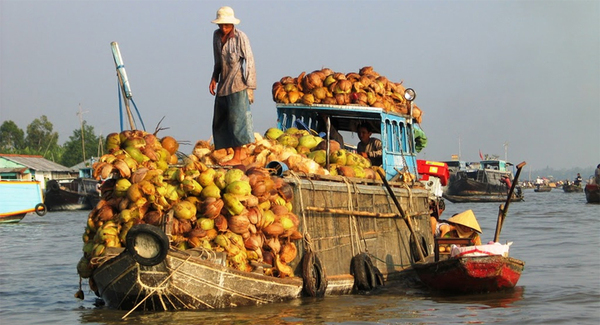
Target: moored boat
[71, 194]
[484, 184]
[17, 198]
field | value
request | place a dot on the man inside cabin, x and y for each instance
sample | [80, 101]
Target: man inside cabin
[369, 147]
[461, 225]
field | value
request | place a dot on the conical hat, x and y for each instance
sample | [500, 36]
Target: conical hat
[467, 219]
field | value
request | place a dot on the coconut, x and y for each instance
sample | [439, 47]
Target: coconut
[184, 210]
[274, 229]
[170, 144]
[288, 252]
[239, 187]
[221, 223]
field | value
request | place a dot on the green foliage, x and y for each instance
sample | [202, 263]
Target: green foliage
[42, 140]
[73, 148]
[12, 137]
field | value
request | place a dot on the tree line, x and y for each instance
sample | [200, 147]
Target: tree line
[40, 139]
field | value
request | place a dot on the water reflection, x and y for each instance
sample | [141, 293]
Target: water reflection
[501, 299]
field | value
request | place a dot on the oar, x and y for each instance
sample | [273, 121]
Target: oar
[402, 213]
[504, 207]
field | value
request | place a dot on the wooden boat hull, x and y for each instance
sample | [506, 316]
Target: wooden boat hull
[12, 218]
[468, 190]
[72, 194]
[17, 198]
[572, 188]
[184, 281]
[592, 193]
[542, 189]
[471, 274]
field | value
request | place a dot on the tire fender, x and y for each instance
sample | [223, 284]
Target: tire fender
[40, 209]
[366, 275]
[141, 234]
[314, 278]
[53, 185]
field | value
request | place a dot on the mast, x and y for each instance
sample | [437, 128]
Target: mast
[80, 113]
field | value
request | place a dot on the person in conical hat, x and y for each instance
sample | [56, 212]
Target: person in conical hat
[461, 225]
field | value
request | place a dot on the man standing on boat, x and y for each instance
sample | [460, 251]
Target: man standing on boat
[235, 74]
[578, 180]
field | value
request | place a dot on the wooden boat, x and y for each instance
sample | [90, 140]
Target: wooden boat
[572, 188]
[481, 185]
[470, 274]
[71, 194]
[592, 192]
[357, 235]
[17, 198]
[472, 269]
[542, 188]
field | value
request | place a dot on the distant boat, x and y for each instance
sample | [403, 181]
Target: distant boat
[572, 188]
[17, 198]
[481, 185]
[542, 188]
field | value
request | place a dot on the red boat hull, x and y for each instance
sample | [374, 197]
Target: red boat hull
[471, 274]
[592, 193]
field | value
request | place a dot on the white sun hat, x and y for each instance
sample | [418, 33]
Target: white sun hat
[225, 16]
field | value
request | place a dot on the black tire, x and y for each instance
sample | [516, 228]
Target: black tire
[156, 234]
[53, 185]
[40, 209]
[314, 278]
[366, 275]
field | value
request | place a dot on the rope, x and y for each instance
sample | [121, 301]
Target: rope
[410, 200]
[156, 288]
[120, 106]
[138, 114]
[305, 235]
[354, 232]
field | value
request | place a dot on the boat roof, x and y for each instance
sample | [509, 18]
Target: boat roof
[36, 162]
[346, 117]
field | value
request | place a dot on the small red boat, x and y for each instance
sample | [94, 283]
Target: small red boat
[471, 274]
[472, 269]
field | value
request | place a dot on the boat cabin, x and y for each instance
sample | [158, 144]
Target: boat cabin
[395, 131]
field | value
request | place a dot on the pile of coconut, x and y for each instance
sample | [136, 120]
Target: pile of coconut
[324, 86]
[243, 211]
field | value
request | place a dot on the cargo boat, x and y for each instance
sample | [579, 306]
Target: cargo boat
[482, 185]
[357, 234]
[71, 194]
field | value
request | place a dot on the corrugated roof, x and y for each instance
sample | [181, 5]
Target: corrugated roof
[36, 163]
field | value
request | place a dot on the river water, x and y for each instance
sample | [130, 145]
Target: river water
[557, 234]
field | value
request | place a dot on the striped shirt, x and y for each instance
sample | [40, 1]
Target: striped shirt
[234, 68]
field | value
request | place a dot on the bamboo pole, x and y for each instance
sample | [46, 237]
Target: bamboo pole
[353, 212]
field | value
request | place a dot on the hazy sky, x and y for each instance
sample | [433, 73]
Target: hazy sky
[486, 73]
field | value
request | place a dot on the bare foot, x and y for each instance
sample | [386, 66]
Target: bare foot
[231, 162]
